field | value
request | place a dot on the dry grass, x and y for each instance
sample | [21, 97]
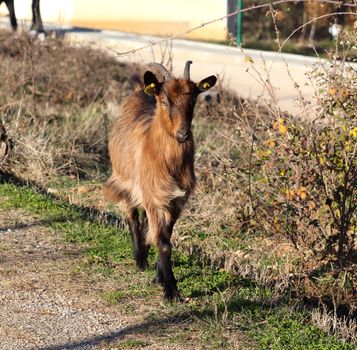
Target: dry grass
[331, 323]
[54, 104]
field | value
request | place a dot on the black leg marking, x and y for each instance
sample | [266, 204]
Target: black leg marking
[36, 17]
[165, 268]
[11, 8]
[164, 273]
[164, 265]
[140, 250]
[143, 232]
[159, 277]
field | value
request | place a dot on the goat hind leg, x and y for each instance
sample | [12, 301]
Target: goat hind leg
[140, 251]
[144, 248]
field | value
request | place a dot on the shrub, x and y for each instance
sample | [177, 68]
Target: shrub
[265, 174]
[303, 173]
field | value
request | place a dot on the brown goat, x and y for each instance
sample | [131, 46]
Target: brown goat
[152, 154]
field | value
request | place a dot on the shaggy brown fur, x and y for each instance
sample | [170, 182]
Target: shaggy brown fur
[152, 153]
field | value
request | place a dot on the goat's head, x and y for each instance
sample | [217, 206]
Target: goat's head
[176, 98]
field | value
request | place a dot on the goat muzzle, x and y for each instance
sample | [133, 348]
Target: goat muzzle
[182, 135]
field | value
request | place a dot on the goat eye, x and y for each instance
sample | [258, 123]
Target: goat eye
[164, 103]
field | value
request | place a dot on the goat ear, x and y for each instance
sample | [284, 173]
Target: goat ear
[206, 83]
[152, 85]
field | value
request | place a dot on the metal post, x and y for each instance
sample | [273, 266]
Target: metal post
[239, 22]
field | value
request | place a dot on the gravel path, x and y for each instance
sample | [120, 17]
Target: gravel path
[44, 304]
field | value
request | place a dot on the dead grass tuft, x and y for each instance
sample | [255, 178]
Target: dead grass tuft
[55, 103]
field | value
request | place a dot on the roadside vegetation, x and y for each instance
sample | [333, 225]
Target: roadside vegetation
[306, 24]
[267, 245]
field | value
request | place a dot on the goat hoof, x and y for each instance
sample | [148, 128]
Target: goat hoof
[172, 295]
[157, 280]
[142, 265]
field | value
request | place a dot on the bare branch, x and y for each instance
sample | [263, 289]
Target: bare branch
[254, 7]
[313, 20]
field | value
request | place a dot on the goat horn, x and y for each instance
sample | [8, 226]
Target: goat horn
[186, 72]
[162, 70]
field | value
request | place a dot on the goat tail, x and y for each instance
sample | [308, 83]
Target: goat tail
[113, 192]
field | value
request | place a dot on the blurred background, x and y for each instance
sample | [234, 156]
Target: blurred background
[157, 17]
[160, 17]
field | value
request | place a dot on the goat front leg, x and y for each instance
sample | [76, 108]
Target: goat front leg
[139, 246]
[165, 274]
[160, 230]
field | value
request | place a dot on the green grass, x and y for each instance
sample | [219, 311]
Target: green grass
[219, 301]
[114, 296]
[283, 330]
[132, 344]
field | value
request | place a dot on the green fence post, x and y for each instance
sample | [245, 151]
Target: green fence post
[239, 22]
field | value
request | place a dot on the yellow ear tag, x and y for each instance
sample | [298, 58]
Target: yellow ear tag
[150, 89]
[204, 86]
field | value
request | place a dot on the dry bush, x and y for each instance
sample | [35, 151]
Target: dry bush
[303, 184]
[55, 102]
[55, 72]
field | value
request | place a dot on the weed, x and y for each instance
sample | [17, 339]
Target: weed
[282, 189]
[133, 344]
[54, 106]
[114, 296]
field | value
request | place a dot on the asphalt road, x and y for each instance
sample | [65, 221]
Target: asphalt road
[245, 71]
[260, 75]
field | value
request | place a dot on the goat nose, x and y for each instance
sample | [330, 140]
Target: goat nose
[182, 134]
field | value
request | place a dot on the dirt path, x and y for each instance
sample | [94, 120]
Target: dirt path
[45, 303]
